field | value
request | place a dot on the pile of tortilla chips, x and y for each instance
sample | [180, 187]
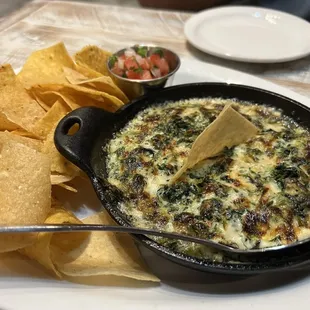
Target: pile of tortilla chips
[50, 85]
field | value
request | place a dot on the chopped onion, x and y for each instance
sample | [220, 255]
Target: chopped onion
[120, 63]
[156, 72]
[139, 59]
[130, 53]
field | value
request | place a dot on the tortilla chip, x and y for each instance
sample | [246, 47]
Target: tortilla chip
[86, 71]
[93, 57]
[67, 187]
[104, 253]
[32, 143]
[16, 105]
[5, 124]
[230, 128]
[59, 164]
[104, 83]
[48, 98]
[57, 179]
[73, 76]
[41, 102]
[44, 126]
[25, 191]
[46, 66]
[79, 96]
[71, 102]
[43, 249]
[26, 134]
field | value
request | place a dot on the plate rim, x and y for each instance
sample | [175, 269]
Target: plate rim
[192, 21]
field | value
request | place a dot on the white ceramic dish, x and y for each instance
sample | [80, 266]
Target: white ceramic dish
[249, 34]
[25, 286]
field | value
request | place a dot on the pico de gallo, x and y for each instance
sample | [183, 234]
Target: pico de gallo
[140, 64]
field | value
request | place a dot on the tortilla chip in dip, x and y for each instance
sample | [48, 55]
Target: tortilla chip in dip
[230, 128]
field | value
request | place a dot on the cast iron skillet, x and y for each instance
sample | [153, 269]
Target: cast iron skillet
[96, 128]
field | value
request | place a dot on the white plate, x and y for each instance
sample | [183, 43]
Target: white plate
[249, 34]
[25, 286]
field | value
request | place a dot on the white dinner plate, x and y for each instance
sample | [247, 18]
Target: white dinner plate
[25, 286]
[249, 34]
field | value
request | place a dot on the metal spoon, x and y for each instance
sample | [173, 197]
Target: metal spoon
[141, 231]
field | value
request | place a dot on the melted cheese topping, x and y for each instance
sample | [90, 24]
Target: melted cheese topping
[253, 195]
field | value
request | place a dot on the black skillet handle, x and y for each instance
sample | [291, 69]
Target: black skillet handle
[77, 147]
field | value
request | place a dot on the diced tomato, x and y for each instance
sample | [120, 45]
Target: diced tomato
[116, 70]
[161, 63]
[138, 67]
[154, 59]
[163, 66]
[133, 75]
[131, 63]
[144, 64]
[146, 75]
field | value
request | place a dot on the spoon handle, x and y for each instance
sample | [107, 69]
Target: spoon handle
[53, 228]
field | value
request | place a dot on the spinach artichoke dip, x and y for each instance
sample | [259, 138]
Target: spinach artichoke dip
[253, 195]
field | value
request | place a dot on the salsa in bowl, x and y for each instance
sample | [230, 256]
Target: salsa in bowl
[142, 68]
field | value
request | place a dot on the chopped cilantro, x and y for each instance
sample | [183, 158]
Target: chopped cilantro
[138, 70]
[142, 51]
[159, 52]
[113, 60]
